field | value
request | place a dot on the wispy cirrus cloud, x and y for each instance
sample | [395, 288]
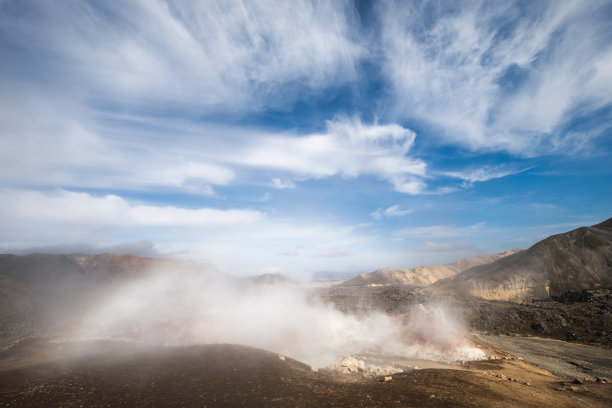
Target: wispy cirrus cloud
[485, 173]
[499, 76]
[63, 125]
[79, 158]
[232, 55]
[461, 71]
[61, 151]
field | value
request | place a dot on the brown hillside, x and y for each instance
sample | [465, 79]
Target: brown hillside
[423, 275]
[577, 259]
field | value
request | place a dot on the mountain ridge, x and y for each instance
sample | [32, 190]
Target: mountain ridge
[422, 275]
[573, 260]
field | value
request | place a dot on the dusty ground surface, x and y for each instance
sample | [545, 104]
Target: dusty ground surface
[566, 360]
[101, 374]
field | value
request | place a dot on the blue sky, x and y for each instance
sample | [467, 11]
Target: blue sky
[301, 137]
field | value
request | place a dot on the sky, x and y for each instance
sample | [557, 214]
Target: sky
[303, 138]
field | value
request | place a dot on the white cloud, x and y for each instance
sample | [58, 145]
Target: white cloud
[397, 211]
[244, 57]
[62, 146]
[348, 148]
[497, 86]
[408, 185]
[153, 57]
[281, 184]
[393, 211]
[58, 144]
[67, 208]
[178, 173]
[485, 173]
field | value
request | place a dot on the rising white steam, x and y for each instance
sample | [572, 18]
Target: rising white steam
[186, 307]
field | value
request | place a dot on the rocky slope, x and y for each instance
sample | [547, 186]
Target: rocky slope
[423, 275]
[574, 260]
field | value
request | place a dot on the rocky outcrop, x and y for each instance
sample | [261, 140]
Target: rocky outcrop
[352, 365]
[574, 260]
[423, 275]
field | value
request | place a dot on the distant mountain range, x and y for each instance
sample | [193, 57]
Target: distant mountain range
[577, 259]
[423, 275]
[45, 269]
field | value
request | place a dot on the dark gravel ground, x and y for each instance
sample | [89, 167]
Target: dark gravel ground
[563, 359]
[238, 376]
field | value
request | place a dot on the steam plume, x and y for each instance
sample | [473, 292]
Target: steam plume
[185, 307]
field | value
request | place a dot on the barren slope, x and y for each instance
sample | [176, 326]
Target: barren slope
[423, 275]
[237, 376]
[574, 260]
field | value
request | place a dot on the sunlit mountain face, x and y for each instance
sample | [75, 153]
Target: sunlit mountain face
[302, 138]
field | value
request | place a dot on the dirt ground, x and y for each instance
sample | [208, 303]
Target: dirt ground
[566, 360]
[107, 374]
